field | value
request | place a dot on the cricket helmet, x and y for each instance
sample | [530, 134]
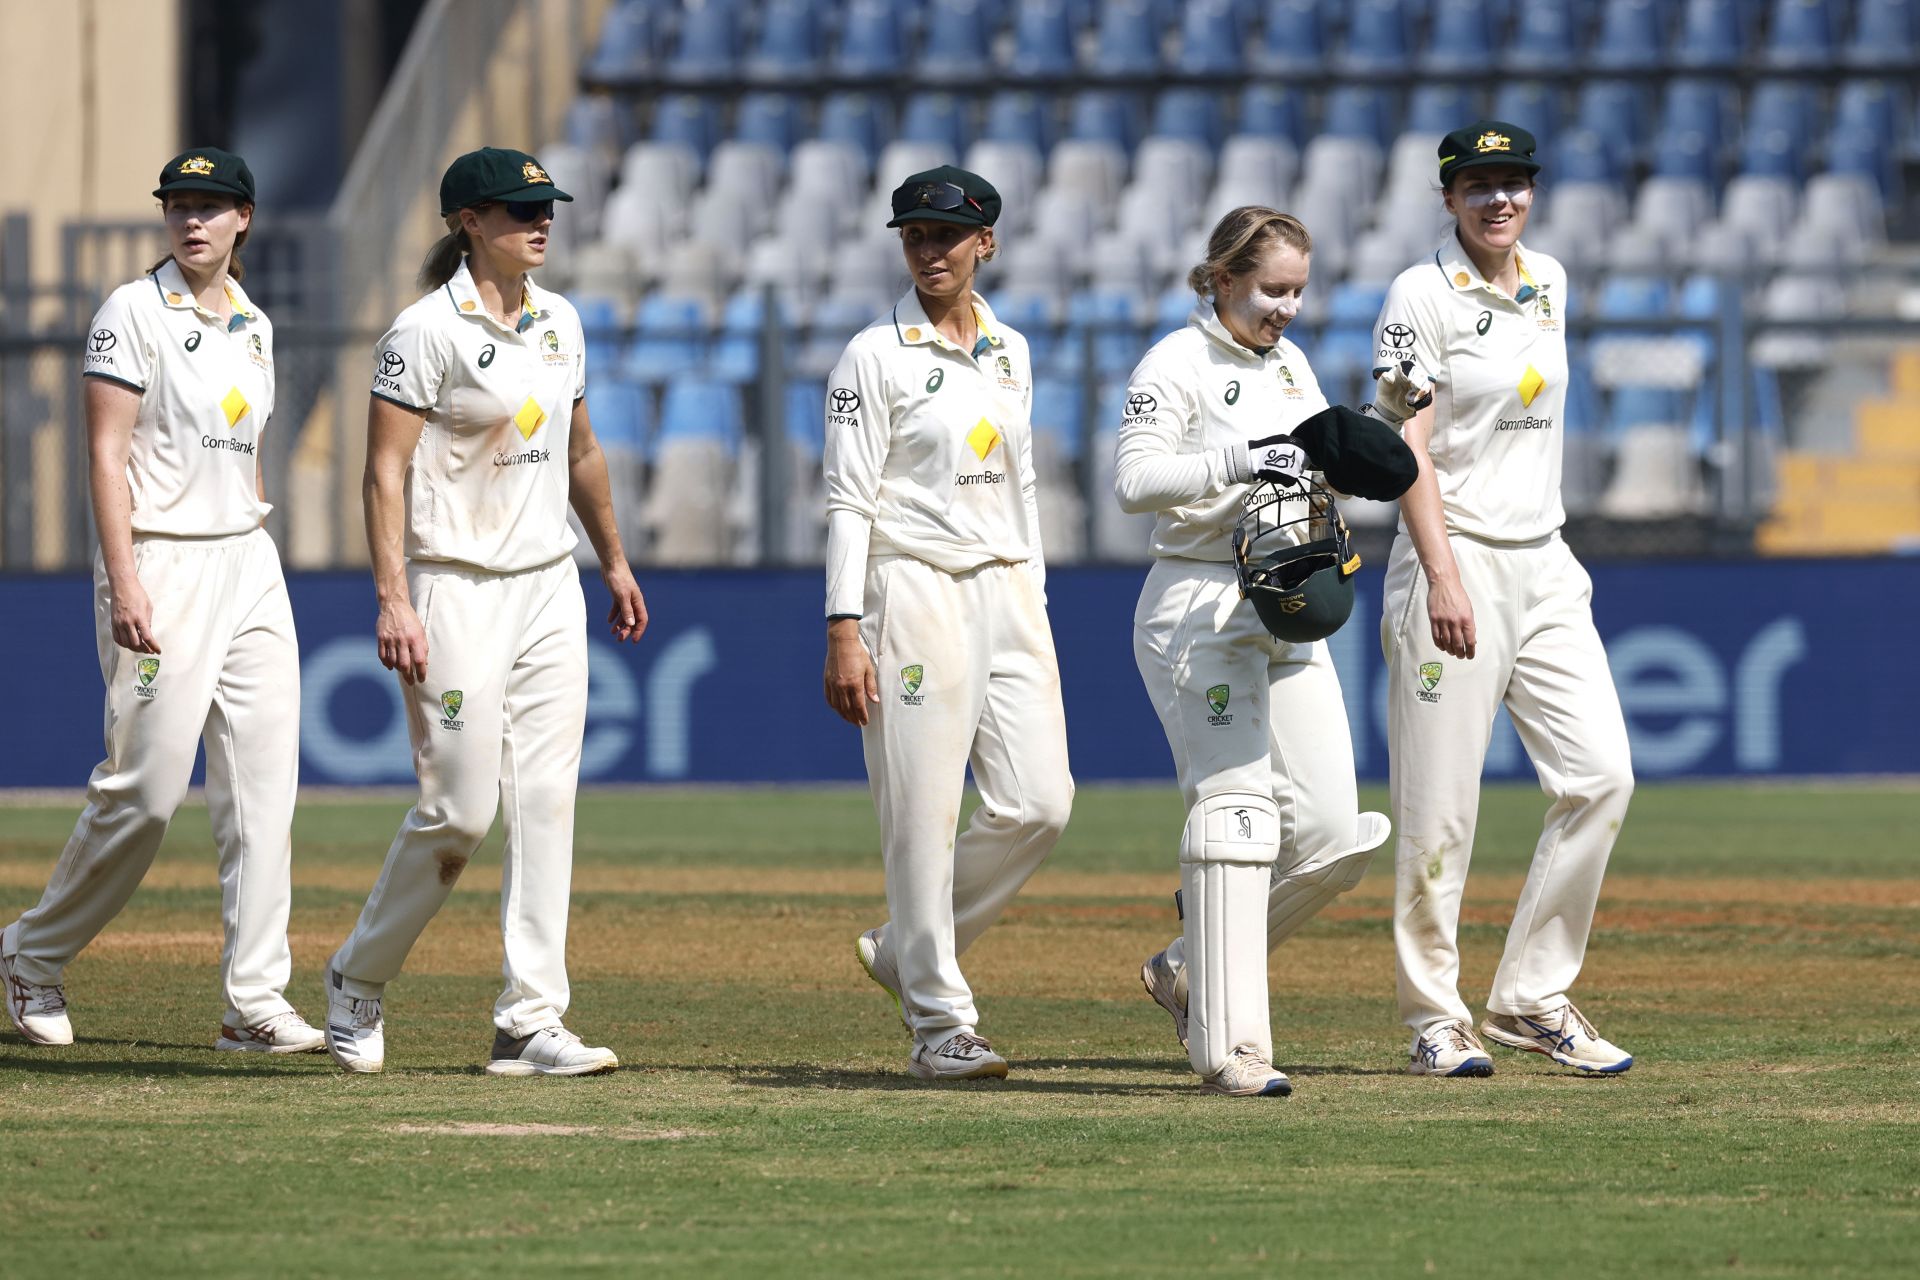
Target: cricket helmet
[1295, 562]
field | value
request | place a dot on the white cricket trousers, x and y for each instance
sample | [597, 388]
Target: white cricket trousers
[966, 671]
[1246, 713]
[497, 724]
[1536, 651]
[228, 674]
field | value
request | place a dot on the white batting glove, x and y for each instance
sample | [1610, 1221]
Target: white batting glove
[1275, 458]
[1399, 392]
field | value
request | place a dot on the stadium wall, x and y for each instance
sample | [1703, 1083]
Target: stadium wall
[1745, 669]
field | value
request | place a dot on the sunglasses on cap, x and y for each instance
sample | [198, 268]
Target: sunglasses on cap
[942, 197]
[527, 210]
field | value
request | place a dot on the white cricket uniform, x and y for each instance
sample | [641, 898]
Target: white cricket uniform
[499, 719]
[228, 671]
[934, 543]
[1499, 365]
[1246, 714]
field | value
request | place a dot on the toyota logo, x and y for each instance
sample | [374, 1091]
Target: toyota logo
[1398, 336]
[102, 340]
[391, 365]
[843, 401]
[1140, 402]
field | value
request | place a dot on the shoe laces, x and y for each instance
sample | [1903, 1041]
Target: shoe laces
[1572, 1019]
[1248, 1060]
[1456, 1037]
[39, 1001]
[365, 1012]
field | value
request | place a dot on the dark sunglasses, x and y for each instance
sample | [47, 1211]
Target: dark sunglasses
[528, 210]
[944, 197]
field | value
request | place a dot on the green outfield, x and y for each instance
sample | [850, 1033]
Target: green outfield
[1757, 949]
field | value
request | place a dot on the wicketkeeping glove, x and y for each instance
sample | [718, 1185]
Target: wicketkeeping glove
[1399, 392]
[1275, 458]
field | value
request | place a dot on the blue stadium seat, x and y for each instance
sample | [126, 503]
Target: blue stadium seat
[1645, 406]
[1042, 42]
[1802, 34]
[1020, 117]
[1376, 37]
[1685, 154]
[1293, 38]
[1355, 305]
[1108, 314]
[935, 117]
[791, 42]
[1442, 108]
[1273, 111]
[1128, 43]
[688, 120]
[954, 45]
[1535, 108]
[1343, 361]
[594, 123]
[1630, 36]
[1874, 106]
[708, 46]
[836, 320]
[771, 119]
[1711, 35]
[599, 317]
[670, 338]
[1545, 38]
[1704, 107]
[626, 47]
[1107, 115]
[1634, 297]
[859, 119]
[622, 415]
[1789, 106]
[1210, 38]
[1170, 310]
[1771, 153]
[1702, 297]
[1458, 39]
[1618, 111]
[805, 419]
[1354, 111]
[1194, 114]
[1584, 156]
[696, 408]
[871, 42]
[736, 353]
[1883, 34]
[1032, 315]
[1058, 406]
[1851, 149]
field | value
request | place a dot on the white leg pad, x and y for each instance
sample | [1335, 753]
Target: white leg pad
[1230, 845]
[1298, 893]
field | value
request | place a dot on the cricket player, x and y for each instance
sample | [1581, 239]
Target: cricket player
[477, 441]
[938, 645]
[191, 618]
[1485, 605]
[1257, 725]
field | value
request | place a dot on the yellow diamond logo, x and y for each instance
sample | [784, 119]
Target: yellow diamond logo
[1530, 385]
[983, 438]
[235, 406]
[530, 418]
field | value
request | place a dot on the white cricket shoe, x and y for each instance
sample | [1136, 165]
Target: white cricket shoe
[356, 1037]
[1168, 989]
[550, 1051]
[1448, 1049]
[283, 1033]
[961, 1056]
[1248, 1075]
[1563, 1035]
[39, 1012]
[881, 970]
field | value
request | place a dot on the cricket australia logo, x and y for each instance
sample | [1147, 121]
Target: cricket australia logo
[910, 678]
[450, 702]
[145, 672]
[1429, 677]
[1217, 700]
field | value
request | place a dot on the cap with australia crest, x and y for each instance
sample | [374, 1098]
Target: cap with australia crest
[206, 169]
[928, 196]
[1483, 143]
[495, 173]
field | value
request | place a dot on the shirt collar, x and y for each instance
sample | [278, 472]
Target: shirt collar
[1204, 318]
[177, 295]
[535, 303]
[1462, 275]
[911, 326]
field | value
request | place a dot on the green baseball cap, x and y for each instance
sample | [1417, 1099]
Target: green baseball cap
[1486, 142]
[495, 173]
[946, 194]
[206, 169]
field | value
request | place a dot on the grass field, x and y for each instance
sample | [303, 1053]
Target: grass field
[1756, 949]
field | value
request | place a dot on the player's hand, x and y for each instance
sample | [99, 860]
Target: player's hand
[1399, 392]
[1450, 614]
[403, 641]
[628, 616]
[132, 615]
[850, 681]
[1276, 458]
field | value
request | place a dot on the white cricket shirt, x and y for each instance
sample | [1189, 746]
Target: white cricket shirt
[206, 392]
[487, 485]
[931, 447]
[1196, 394]
[1499, 365]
